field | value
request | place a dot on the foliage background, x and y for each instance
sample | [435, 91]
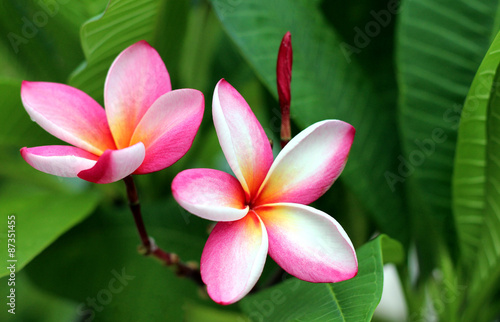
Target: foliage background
[401, 73]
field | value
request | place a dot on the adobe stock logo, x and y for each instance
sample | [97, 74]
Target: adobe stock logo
[31, 27]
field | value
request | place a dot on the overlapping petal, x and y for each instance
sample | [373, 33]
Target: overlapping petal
[69, 114]
[308, 243]
[309, 164]
[114, 165]
[135, 80]
[59, 160]
[168, 128]
[233, 258]
[241, 137]
[210, 194]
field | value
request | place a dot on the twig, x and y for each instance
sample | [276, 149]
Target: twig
[148, 246]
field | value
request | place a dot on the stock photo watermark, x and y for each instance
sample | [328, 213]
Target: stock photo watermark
[104, 297]
[11, 263]
[31, 25]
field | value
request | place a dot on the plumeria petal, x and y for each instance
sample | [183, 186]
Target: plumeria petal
[233, 258]
[135, 80]
[210, 194]
[309, 164]
[69, 114]
[59, 160]
[168, 128]
[308, 243]
[241, 137]
[114, 165]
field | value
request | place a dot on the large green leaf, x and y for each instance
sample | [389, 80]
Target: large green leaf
[33, 218]
[324, 85]
[470, 163]
[439, 48]
[475, 193]
[477, 183]
[352, 300]
[42, 36]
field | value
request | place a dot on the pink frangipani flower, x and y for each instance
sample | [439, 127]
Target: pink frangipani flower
[263, 210]
[145, 127]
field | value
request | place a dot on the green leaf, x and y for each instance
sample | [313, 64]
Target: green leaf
[478, 162]
[469, 176]
[324, 85]
[123, 23]
[33, 218]
[43, 36]
[351, 300]
[439, 48]
[162, 23]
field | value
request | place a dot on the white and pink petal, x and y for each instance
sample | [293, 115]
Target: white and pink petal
[59, 160]
[233, 258]
[69, 114]
[308, 243]
[210, 194]
[135, 80]
[114, 165]
[309, 164]
[242, 139]
[168, 128]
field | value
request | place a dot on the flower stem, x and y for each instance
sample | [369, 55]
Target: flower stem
[148, 246]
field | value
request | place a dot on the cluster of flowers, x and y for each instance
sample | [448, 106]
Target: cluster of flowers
[146, 127]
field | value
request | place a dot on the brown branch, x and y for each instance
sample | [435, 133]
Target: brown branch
[148, 247]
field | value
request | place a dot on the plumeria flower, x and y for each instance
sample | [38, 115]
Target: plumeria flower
[263, 210]
[145, 127]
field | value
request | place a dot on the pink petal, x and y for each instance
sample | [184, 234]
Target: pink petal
[233, 258]
[309, 164]
[210, 194]
[114, 165]
[69, 114]
[135, 80]
[308, 243]
[59, 160]
[241, 137]
[168, 128]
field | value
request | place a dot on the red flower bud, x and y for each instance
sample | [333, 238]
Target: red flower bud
[284, 78]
